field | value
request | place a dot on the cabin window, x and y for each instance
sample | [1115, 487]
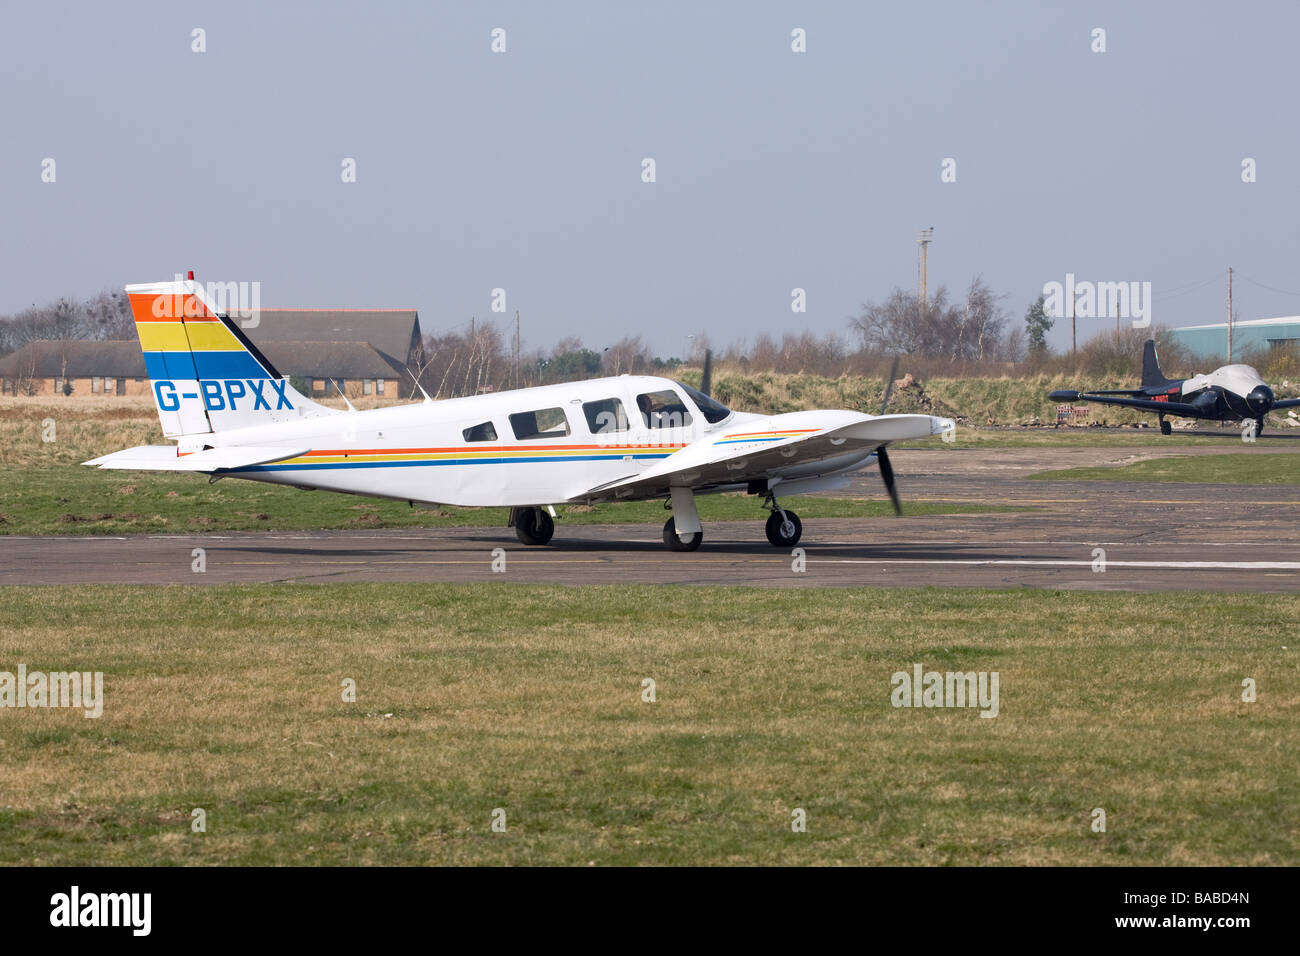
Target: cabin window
[606, 415]
[543, 423]
[484, 432]
[663, 410]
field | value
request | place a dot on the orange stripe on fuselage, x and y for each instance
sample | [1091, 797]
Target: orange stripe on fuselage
[459, 449]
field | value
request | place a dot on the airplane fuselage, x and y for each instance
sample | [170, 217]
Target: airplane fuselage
[478, 451]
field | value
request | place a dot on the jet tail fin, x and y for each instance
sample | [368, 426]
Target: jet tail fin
[1151, 374]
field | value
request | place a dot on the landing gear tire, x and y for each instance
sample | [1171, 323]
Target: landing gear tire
[533, 526]
[1259, 427]
[784, 533]
[690, 542]
[1166, 428]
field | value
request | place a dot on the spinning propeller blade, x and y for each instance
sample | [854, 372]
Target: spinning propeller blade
[889, 385]
[882, 456]
[887, 473]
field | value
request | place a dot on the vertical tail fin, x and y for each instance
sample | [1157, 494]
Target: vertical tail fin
[1151, 374]
[205, 373]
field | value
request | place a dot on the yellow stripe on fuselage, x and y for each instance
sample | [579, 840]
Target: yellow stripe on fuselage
[471, 455]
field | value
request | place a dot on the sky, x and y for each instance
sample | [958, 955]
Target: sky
[774, 170]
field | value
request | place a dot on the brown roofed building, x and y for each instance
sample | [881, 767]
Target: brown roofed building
[74, 367]
[362, 352]
[355, 368]
[394, 333]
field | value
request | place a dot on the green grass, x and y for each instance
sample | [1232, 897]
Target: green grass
[529, 698]
[64, 499]
[1079, 437]
[1239, 469]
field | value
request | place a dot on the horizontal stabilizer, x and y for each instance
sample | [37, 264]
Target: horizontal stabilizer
[166, 458]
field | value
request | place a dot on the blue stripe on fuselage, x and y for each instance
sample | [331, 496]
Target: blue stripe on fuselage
[430, 463]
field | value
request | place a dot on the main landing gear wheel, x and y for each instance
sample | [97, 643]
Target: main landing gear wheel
[534, 526]
[784, 529]
[690, 542]
[1165, 427]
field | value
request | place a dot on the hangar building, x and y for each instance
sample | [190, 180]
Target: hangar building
[1211, 341]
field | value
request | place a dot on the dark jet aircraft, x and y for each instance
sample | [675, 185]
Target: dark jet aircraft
[1229, 393]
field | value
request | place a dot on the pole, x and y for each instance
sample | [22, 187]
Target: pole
[922, 262]
[518, 344]
[925, 299]
[1074, 332]
[1229, 315]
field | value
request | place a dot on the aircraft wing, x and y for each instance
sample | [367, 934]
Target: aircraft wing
[1146, 404]
[166, 458]
[751, 452]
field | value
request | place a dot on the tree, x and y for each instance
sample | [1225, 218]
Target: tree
[1037, 324]
[968, 331]
[574, 362]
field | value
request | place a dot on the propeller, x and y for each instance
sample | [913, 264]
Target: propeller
[887, 473]
[889, 385]
[882, 456]
[706, 376]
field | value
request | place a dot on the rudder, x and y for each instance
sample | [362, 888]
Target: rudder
[1151, 374]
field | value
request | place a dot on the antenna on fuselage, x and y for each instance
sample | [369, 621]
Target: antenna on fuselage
[427, 399]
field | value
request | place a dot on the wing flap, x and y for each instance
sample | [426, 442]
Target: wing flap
[745, 454]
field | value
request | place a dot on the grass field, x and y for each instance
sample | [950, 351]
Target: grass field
[529, 699]
[1244, 469]
[1214, 435]
[62, 499]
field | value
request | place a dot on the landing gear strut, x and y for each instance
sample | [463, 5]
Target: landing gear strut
[784, 529]
[533, 526]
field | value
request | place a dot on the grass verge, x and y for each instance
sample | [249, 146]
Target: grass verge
[529, 699]
[62, 499]
[1238, 469]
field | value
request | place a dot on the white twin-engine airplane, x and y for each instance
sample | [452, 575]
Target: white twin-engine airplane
[628, 438]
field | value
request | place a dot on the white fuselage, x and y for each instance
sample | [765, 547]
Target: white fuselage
[477, 451]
